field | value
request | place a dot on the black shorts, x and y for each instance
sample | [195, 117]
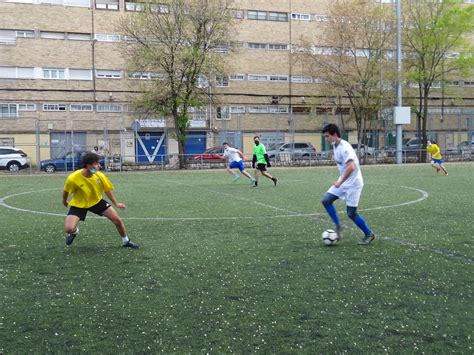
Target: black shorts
[99, 208]
[262, 167]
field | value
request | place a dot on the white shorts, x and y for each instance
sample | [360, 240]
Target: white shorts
[350, 195]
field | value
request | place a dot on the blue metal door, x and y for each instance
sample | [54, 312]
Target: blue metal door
[151, 147]
[195, 143]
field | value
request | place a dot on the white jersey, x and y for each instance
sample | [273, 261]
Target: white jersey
[343, 153]
[232, 154]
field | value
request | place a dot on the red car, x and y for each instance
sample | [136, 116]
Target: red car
[211, 154]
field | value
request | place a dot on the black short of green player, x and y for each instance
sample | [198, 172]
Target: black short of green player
[260, 161]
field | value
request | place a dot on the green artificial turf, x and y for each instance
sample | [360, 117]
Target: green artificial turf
[224, 267]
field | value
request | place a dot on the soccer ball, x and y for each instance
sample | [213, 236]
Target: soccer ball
[330, 237]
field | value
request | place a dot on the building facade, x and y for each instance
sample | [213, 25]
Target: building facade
[63, 84]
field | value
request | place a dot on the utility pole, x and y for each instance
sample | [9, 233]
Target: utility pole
[399, 130]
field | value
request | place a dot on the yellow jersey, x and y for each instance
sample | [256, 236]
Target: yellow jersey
[434, 150]
[86, 192]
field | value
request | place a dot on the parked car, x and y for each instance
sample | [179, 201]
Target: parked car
[461, 148]
[68, 162]
[297, 150]
[13, 159]
[211, 154]
[410, 147]
[364, 150]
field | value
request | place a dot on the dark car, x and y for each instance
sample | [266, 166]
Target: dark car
[211, 154]
[69, 162]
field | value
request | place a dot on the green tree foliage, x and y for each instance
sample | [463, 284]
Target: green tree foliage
[436, 45]
[177, 42]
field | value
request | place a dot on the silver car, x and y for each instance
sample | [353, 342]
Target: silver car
[297, 150]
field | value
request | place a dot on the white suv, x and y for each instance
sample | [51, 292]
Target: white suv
[12, 159]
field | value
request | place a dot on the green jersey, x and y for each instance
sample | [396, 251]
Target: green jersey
[260, 151]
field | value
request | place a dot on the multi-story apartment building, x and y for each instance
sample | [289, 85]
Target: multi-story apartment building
[63, 80]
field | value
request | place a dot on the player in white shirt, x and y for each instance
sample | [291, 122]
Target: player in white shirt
[349, 185]
[236, 158]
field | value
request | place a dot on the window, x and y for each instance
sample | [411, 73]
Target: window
[54, 107]
[109, 108]
[202, 82]
[198, 114]
[81, 3]
[25, 34]
[52, 35]
[468, 83]
[342, 111]
[321, 18]
[278, 77]
[256, 15]
[110, 74]
[8, 72]
[237, 77]
[254, 45]
[237, 109]
[25, 73]
[222, 48]
[301, 79]
[104, 37]
[222, 82]
[80, 74]
[79, 36]
[7, 37]
[53, 73]
[278, 16]
[80, 107]
[301, 109]
[8, 111]
[26, 107]
[237, 13]
[107, 4]
[258, 109]
[130, 6]
[301, 17]
[257, 77]
[278, 109]
[222, 113]
[278, 47]
[145, 75]
[323, 110]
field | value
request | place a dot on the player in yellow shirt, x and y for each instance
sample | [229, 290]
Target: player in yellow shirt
[87, 185]
[436, 158]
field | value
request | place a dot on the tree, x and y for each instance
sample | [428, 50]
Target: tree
[351, 55]
[435, 47]
[176, 45]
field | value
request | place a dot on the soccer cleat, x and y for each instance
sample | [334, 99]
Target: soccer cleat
[446, 174]
[236, 178]
[70, 236]
[275, 180]
[339, 230]
[367, 239]
[131, 245]
[254, 183]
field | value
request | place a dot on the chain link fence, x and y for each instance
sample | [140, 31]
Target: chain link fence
[57, 144]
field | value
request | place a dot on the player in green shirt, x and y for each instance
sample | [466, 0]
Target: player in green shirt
[260, 161]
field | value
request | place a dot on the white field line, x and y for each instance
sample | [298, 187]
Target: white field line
[290, 213]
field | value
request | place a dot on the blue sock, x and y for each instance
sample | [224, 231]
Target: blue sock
[331, 210]
[360, 222]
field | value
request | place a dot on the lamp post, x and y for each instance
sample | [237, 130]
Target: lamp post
[399, 130]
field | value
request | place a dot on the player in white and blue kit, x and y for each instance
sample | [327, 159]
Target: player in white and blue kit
[349, 185]
[236, 158]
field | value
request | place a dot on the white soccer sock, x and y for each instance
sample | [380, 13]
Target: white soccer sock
[125, 239]
[235, 174]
